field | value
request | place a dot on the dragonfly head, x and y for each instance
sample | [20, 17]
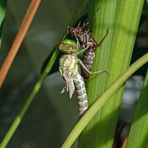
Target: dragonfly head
[69, 46]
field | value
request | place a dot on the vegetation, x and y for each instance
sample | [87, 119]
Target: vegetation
[98, 125]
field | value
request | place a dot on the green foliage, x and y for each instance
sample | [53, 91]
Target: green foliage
[121, 17]
[2, 13]
[2, 10]
[139, 130]
[100, 102]
[29, 100]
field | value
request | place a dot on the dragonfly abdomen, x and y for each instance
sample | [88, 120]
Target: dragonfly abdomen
[88, 60]
[81, 92]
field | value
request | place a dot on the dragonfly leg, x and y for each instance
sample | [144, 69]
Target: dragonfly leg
[94, 72]
[82, 50]
[78, 43]
[100, 43]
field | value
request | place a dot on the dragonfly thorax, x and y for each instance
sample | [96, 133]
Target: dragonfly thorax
[68, 65]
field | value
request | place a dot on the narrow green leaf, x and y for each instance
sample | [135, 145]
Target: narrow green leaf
[2, 14]
[2, 10]
[121, 17]
[138, 137]
[100, 102]
[29, 100]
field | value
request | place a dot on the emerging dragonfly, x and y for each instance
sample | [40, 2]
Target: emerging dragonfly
[86, 41]
[69, 70]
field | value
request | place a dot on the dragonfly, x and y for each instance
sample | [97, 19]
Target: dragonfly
[69, 70]
[70, 63]
[86, 41]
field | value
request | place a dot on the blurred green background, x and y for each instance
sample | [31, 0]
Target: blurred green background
[52, 115]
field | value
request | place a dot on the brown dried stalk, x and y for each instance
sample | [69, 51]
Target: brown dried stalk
[31, 11]
[124, 143]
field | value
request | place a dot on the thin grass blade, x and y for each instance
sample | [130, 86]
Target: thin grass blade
[2, 14]
[138, 136]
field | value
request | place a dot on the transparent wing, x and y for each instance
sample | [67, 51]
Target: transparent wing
[69, 84]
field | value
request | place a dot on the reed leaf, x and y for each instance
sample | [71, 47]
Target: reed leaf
[2, 14]
[139, 130]
[121, 18]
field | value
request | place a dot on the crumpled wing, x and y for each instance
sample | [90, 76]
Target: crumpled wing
[69, 84]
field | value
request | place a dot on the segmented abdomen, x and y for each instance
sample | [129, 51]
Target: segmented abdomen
[88, 60]
[81, 94]
[69, 71]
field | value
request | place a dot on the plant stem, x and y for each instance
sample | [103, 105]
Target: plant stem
[26, 105]
[121, 17]
[33, 7]
[100, 102]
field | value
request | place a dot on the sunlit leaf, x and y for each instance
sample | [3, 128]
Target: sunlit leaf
[114, 55]
[139, 131]
[2, 14]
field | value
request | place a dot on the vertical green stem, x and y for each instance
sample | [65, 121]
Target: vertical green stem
[100, 102]
[138, 137]
[121, 17]
[26, 105]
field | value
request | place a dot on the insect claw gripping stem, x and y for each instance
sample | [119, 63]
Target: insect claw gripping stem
[107, 72]
[100, 43]
[92, 72]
